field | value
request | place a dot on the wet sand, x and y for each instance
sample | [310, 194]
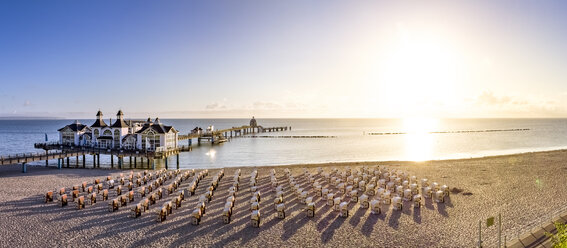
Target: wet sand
[525, 188]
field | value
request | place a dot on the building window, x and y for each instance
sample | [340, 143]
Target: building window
[116, 138]
[96, 133]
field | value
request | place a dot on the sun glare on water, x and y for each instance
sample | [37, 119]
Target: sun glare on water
[419, 141]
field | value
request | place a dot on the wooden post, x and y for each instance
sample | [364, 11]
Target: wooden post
[84, 161]
[59, 163]
[135, 161]
[24, 168]
[77, 161]
[94, 160]
[130, 161]
[119, 162]
[177, 160]
[166, 165]
[46, 158]
[98, 160]
[111, 161]
[67, 162]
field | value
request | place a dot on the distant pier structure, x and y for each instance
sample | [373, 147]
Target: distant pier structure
[140, 142]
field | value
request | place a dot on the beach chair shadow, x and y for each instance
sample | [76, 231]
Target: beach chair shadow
[330, 231]
[441, 209]
[357, 216]
[417, 215]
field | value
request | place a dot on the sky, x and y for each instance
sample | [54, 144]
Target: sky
[283, 59]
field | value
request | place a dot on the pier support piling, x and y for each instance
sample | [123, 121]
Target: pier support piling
[120, 162]
[166, 164]
[98, 160]
[130, 161]
[59, 163]
[77, 161]
[177, 157]
[153, 164]
[46, 158]
[94, 161]
[24, 168]
[111, 161]
[67, 162]
[135, 162]
[84, 161]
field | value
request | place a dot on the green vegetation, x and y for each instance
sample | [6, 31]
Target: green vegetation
[560, 238]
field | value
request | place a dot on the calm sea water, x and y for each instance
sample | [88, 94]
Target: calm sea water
[347, 140]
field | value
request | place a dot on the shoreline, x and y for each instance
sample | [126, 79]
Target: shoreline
[362, 162]
[513, 185]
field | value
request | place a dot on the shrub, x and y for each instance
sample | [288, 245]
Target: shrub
[560, 238]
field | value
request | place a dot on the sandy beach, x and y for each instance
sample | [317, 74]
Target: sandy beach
[525, 188]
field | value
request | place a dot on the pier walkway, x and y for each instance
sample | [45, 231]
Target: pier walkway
[63, 153]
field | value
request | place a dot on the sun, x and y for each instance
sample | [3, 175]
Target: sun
[417, 73]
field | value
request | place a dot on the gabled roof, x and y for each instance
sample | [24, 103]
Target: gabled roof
[159, 128]
[76, 127]
[128, 136]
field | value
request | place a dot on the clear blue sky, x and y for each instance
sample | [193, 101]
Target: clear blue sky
[283, 58]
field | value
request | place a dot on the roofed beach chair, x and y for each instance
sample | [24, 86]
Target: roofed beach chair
[255, 218]
[445, 190]
[105, 195]
[427, 192]
[363, 199]
[74, 194]
[226, 215]
[343, 207]
[113, 205]
[130, 196]
[136, 211]
[375, 207]
[417, 201]
[81, 202]
[386, 198]
[353, 195]
[49, 196]
[336, 203]
[397, 203]
[92, 198]
[84, 186]
[439, 196]
[63, 200]
[280, 210]
[254, 206]
[407, 195]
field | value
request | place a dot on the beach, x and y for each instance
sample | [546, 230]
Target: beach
[526, 189]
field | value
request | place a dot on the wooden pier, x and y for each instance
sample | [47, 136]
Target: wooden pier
[63, 153]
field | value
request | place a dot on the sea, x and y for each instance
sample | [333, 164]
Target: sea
[329, 140]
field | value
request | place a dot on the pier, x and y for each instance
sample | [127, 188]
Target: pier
[135, 158]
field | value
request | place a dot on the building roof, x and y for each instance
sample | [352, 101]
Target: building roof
[119, 123]
[99, 113]
[128, 136]
[159, 128]
[99, 123]
[75, 127]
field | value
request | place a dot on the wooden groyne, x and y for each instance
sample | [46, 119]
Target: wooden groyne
[456, 131]
[292, 136]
